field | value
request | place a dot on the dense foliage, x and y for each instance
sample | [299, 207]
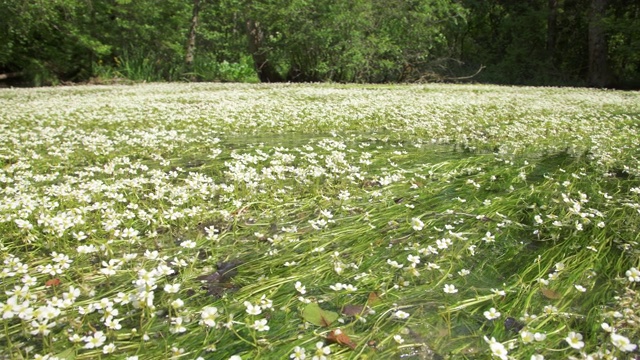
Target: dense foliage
[553, 42]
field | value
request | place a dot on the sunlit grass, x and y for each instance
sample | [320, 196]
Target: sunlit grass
[195, 220]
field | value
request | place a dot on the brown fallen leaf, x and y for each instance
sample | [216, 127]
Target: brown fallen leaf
[52, 282]
[338, 337]
[353, 310]
[550, 294]
[373, 299]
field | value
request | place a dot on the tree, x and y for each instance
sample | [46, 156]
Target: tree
[191, 42]
[599, 75]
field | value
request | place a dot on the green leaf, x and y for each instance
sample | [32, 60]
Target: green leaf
[317, 316]
[68, 354]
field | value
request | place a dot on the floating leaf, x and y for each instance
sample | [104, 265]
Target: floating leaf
[338, 337]
[52, 282]
[317, 316]
[550, 294]
[353, 310]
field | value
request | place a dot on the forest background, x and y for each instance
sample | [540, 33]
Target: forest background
[524, 42]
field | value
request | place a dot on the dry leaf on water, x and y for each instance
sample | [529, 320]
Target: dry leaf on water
[338, 337]
[52, 282]
[353, 310]
[550, 294]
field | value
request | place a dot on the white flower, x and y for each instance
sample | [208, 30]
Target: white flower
[539, 336]
[298, 353]
[417, 224]
[188, 244]
[260, 325]
[349, 287]
[633, 275]
[172, 288]
[400, 315]
[252, 309]
[300, 288]
[580, 288]
[575, 340]
[321, 351]
[606, 327]
[526, 336]
[398, 339]
[177, 303]
[209, 315]
[95, 341]
[622, 343]
[497, 349]
[537, 357]
[492, 314]
[336, 287]
[464, 272]
[450, 289]
[109, 348]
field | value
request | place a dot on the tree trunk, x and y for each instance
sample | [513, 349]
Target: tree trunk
[191, 42]
[599, 75]
[266, 71]
[552, 28]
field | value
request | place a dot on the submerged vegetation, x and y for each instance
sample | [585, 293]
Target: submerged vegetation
[314, 221]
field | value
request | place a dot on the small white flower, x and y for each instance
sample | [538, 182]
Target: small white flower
[260, 325]
[492, 314]
[622, 343]
[252, 309]
[497, 349]
[417, 224]
[209, 315]
[539, 336]
[172, 288]
[574, 340]
[398, 339]
[526, 336]
[350, 287]
[300, 288]
[321, 351]
[450, 289]
[633, 275]
[580, 288]
[94, 341]
[400, 315]
[414, 259]
[109, 348]
[177, 303]
[336, 287]
[298, 353]
[188, 244]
